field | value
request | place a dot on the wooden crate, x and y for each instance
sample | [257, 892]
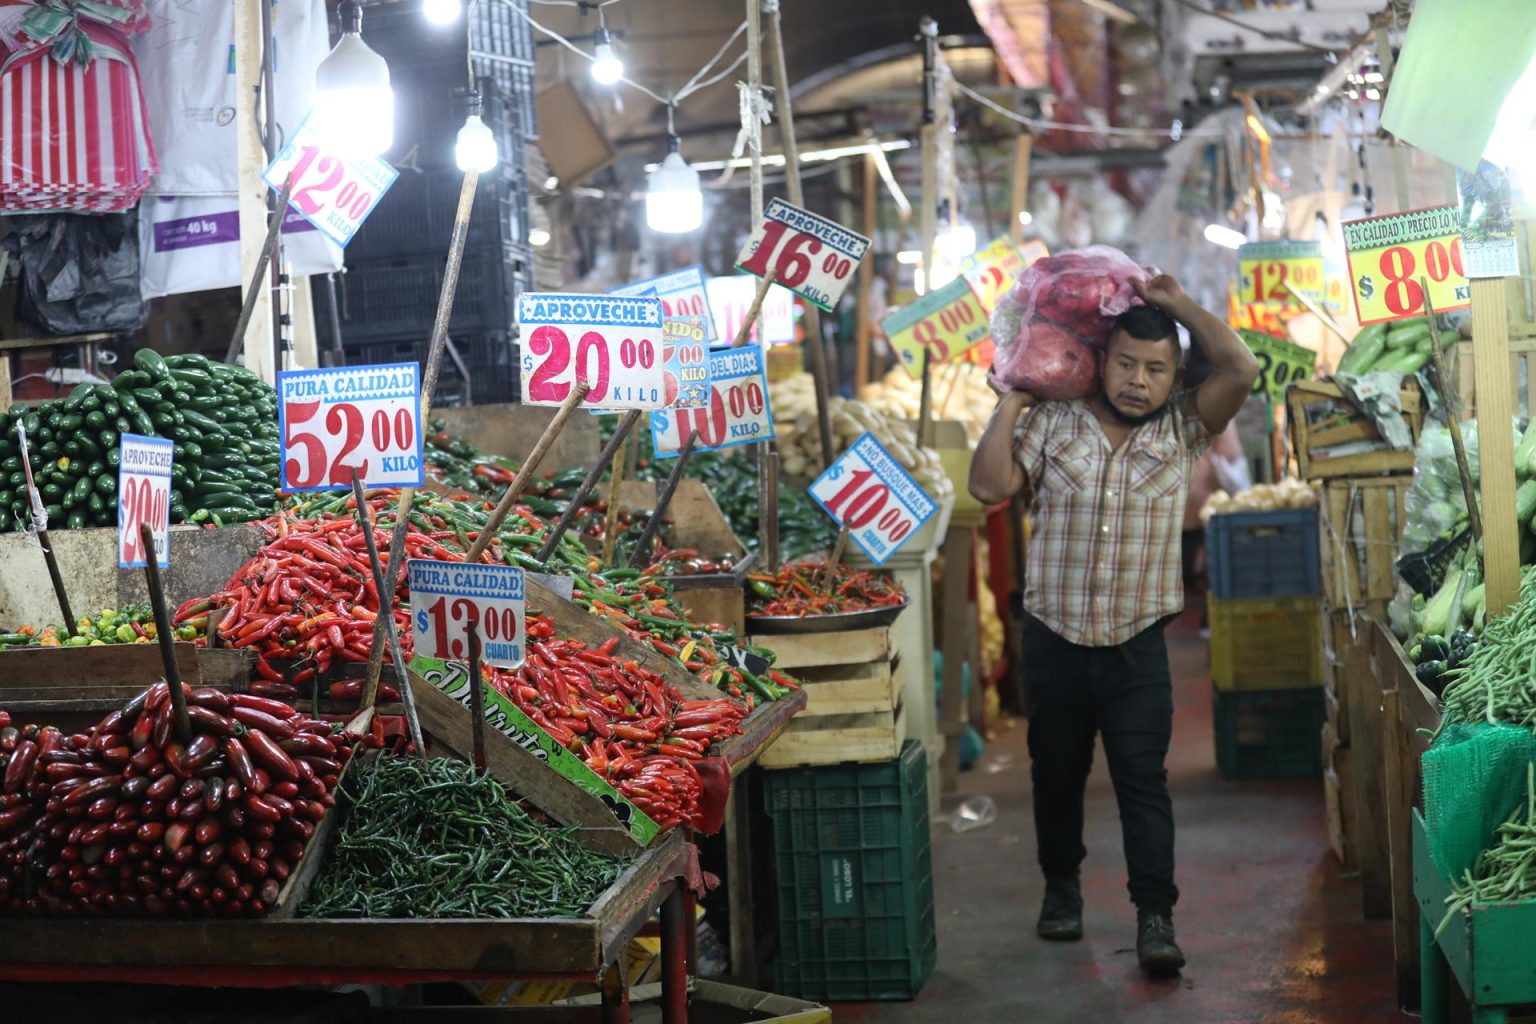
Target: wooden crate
[1345, 427]
[1359, 690]
[512, 429]
[1338, 796]
[1361, 537]
[1348, 650]
[854, 699]
[1522, 375]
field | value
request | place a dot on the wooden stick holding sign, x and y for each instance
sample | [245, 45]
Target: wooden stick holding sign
[1316, 310]
[527, 469]
[40, 521]
[274, 232]
[745, 330]
[165, 636]
[611, 517]
[476, 698]
[642, 553]
[838, 550]
[1453, 420]
[620, 436]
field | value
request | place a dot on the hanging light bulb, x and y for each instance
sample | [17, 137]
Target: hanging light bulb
[476, 146]
[674, 205]
[606, 66]
[1227, 238]
[354, 105]
[956, 240]
[442, 12]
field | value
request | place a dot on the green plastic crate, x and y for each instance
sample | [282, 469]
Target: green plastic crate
[855, 878]
[1270, 734]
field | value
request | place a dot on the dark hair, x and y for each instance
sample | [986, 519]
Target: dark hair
[1148, 323]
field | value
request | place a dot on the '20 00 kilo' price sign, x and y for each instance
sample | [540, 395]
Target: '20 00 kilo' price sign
[333, 194]
[1266, 270]
[143, 496]
[613, 343]
[945, 323]
[446, 597]
[811, 256]
[738, 411]
[873, 498]
[356, 418]
[1389, 255]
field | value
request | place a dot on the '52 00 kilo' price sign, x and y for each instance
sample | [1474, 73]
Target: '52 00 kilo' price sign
[1391, 254]
[613, 343]
[143, 496]
[811, 256]
[357, 418]
[738, 411]
[446, 597]
[873, 498]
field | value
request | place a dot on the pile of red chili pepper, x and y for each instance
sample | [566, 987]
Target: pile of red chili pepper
[127, 821]
[801, 589]
[688, 562]
[306, 600]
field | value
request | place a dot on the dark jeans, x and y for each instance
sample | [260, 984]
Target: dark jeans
[1124, 694]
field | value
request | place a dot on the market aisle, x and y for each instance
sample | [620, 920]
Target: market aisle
[1273, 933]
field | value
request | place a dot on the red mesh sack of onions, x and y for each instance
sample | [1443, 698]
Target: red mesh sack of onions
[1051, 325]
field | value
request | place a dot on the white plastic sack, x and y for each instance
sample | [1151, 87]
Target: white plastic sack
[191, 244]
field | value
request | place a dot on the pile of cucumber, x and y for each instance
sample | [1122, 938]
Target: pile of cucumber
[1403, 346]
[222, 418]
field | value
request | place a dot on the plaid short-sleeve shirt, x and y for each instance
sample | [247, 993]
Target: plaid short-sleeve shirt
[1104, 555]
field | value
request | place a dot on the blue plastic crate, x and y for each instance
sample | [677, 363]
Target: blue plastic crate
[1264, 554]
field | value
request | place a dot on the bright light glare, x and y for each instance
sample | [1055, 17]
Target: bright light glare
[476, 146]
[606, 67]
[442, 12]
[1221, 235]
[956, 241]
[354, 105]
[909, 256]
[551, 183]
[538, 238]
[1026, 218]
[674, 204]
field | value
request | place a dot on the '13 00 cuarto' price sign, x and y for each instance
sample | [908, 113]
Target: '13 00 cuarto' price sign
[1390, 256]
[355, 419]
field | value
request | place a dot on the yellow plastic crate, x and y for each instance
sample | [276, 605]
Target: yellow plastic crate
[1266, 643]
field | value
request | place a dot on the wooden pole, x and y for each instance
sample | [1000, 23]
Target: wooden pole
[768, 503]
[620, 436]
[1322, 314]
[755, 85]
[864, 338]
[476, 699]
[744, 332]
[251, 159]
[642, 552]
[928, 209]
[268, 248]
[611, 522]
[1495, 408]
[838, 550]
[1450, 397]
[1023, 147]
[40, 520]
[165, 636]
[527, 469]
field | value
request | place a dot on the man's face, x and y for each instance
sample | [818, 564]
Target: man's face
[1139, 375]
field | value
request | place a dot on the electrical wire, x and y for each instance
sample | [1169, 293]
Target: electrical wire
[692, 84]
[1039, 124]
[1279, 37]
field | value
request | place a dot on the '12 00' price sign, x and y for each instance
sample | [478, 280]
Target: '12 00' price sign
[359, 418]
[737, 413]
[810, 255]
[143, 496]
[613, 343]
[873, 498]
[448, 596]
[333, 194]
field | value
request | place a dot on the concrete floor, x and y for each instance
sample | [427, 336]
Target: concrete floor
[1273, 932]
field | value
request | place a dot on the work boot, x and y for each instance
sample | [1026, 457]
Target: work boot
[1155, 948]
[1061, 913]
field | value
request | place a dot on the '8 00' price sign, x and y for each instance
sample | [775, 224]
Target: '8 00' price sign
[873, 498]
[613, 343]
[365, 419]
[810, 255]
[1389, 257]
[143, 496]
[737, 413]
[447, 597]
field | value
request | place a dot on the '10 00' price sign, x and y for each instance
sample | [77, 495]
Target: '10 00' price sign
[738, 411]
[143, 496]
[810, 255]
[873, 498]
[613, 343]
[363, 419]
[1390, 255]
[446, 597]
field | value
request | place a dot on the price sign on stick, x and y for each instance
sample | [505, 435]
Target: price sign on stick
[814, 257]
[731, 298]
[682, 293]
[945, 323]
[870, 495]
[685, 362]
[990, 272]
[1389, 254]
[738, 411]
[363, 418]
[143, 496]
[448, 596]
[1265, 268]
[613, 343]
[1280, 362]
[333, 194]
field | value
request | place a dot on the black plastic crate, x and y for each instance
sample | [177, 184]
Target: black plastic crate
[1270, 734]
[485, 371]
[855, 878]
[416, 215]
[1264, 554]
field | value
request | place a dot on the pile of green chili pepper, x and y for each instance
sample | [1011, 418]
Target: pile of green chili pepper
[435, 838]
[802, 589]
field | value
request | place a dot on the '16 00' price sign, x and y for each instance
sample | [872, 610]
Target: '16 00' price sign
[446, 597]
[613, 343]
[737, 413]
[810, 255]
[873, 498]
[365, 419]
[945, 323]
[333, 194]
[1391, 254]
[143, 496]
